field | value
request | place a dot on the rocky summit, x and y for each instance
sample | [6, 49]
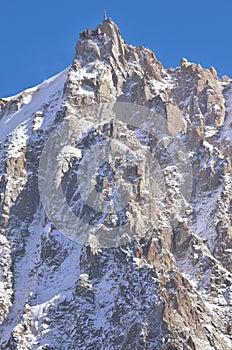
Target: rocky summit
[152, 273]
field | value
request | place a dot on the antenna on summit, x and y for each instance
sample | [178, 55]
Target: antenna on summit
[105, 16]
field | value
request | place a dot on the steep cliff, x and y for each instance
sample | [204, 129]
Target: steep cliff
[166, 282]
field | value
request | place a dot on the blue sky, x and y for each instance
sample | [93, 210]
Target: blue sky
[38, 37]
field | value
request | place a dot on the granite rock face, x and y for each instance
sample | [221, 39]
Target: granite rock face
[170, 286]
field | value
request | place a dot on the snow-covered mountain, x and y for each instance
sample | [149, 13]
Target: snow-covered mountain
[168, 284]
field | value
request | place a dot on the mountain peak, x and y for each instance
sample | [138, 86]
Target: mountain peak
[103, 41]
[107, 27]
[165, 282]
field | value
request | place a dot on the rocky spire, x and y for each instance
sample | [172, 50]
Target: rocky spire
[175, 274]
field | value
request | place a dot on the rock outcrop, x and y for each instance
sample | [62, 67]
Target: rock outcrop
[170, 286]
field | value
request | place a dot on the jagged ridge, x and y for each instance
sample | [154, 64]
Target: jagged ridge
[168, 290]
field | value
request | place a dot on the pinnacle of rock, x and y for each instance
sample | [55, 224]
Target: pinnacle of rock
[166, 282]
